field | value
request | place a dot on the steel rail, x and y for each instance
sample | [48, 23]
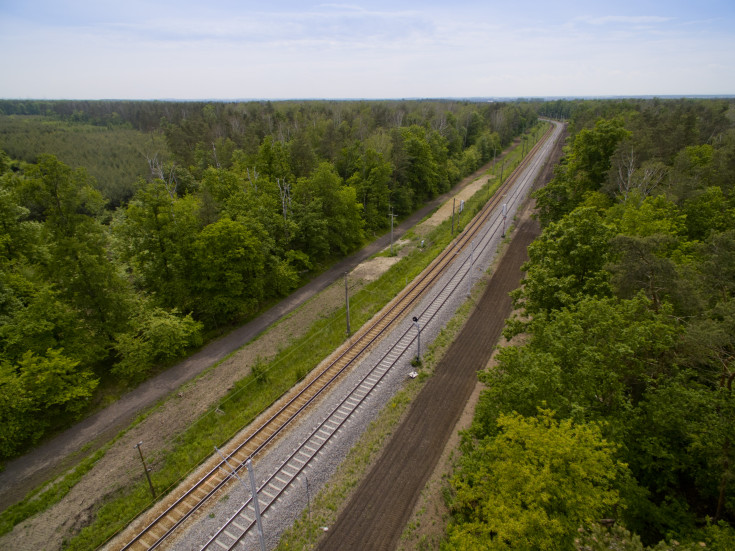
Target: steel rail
[239, 525]
[214, 479]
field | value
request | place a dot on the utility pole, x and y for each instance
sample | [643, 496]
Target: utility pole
[256, 505]
[469, 271]
[454, 200]
[145, 468]
[495, 147]
[392, 216]
[308, 497]
[347, 303]
[253, 492]
[505, 210]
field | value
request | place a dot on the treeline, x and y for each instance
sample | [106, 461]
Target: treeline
[201, 134]
[140, 115]
[618, 408]
[253, 199]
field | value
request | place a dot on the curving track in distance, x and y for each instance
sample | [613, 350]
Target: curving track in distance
[254, 441]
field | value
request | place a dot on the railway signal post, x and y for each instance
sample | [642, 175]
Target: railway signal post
[418, 343]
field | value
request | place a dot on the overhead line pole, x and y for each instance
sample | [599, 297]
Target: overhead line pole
[454, 201]
[145, 468]
[392, 216]
[347, 304]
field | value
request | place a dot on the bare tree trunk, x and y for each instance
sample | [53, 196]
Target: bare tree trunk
[253, 179]
[214, 153]
[285, 189]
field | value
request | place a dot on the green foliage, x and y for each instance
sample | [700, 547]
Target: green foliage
[415, 164]
[629, 289]
[156, 336]
[643, 217]
[259, 371]
[610, 360]
[599, 538]
[584, 169]
[708, 212]
[17, 424]
[328, 214]
[273, 160]
[246, 202]
[249, 398]
[591, 361]
[35, 390]
[77, 261]
[567, 262]
[228, 268]
[718, 537]
[115, 156]
[532, 485]
[155, 237]
[371, 180]
[55, 381]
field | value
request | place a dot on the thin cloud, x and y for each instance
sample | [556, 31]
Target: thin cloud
[267, 28]
[348, 7]
[626, 20]
[401, 48]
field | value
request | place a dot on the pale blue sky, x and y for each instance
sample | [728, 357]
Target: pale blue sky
[227, 49]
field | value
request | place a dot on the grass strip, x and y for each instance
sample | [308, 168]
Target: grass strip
[40, 500]
[257, 391]
[324, 508]
[268, 381]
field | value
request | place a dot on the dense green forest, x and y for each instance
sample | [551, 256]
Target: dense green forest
[102, 279]
[618, 402]
[114, 155]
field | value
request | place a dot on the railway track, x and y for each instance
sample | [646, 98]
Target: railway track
[253, 442]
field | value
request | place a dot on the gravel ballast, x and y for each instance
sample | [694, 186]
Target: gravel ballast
[318, 472]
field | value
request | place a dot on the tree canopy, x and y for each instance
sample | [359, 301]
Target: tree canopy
[627, 310]
[104, 280]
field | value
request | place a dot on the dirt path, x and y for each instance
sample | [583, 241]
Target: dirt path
[375, 516]
[379, 509]
[426, 527]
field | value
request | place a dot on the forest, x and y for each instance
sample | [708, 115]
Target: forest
[608, 421]
[133, 232]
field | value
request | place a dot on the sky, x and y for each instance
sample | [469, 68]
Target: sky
[229, 49]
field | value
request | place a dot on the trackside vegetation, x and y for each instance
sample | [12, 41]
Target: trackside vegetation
[272, 378]
[103, 281]
[612, 425]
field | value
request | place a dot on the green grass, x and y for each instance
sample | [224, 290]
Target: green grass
[41, 499]
[247, 399]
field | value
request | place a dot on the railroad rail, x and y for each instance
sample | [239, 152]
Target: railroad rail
[253, 442]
